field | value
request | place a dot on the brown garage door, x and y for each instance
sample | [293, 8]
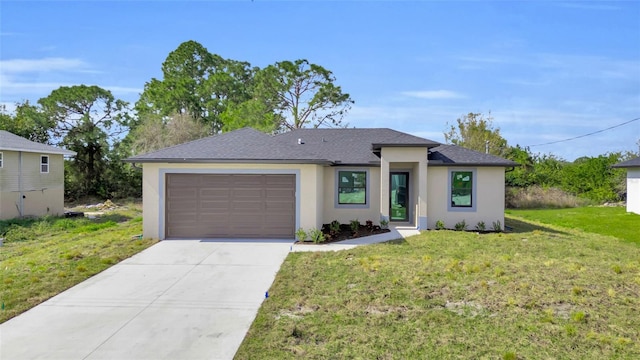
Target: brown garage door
[230, 206]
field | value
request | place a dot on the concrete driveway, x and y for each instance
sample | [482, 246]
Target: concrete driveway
[180, 299]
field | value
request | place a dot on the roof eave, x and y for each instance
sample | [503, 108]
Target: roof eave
[441, 164]
[58, 152]
[228, 161]
[378, 146]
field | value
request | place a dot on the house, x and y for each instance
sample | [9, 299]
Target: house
[31, 177]
[248, 184]
[633, 183]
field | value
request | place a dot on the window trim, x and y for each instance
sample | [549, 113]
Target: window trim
[48, 164]
[474, 190]
[367, 189]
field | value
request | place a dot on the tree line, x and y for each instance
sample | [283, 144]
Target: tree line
[199, 94]
[590, 178]
[202, 94]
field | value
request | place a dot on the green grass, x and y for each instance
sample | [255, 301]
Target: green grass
[43, 257]
[611, 221]
[538, 292]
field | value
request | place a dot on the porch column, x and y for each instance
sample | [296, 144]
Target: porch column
[384, 188]
[422, 195]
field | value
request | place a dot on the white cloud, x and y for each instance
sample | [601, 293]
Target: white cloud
[16, 66]
[434, 94]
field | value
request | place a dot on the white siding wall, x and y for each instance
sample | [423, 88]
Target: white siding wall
[633, 190]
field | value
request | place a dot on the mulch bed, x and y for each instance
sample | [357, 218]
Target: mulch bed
[346, 233]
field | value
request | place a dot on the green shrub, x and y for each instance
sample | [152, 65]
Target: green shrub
[497, 227]
[461, 226]
[334, 227]
[440, 225]
[317, 236]
[355, 225]
[480, 226]
[301, 235]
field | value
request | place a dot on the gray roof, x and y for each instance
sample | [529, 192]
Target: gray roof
[448, 155]
[633, 163]
[321, 146]
[12, 142]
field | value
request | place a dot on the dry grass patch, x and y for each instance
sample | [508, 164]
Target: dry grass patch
[534, 293]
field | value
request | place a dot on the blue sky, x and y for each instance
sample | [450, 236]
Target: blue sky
[547, 70]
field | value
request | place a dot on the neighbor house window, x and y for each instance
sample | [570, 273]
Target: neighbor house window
[462, 189]
[0, 160]
[352, 187]
[44, 163]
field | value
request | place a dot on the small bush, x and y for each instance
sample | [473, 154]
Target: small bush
[439, 225]
[480, 226]
[384, 223]
[355, 225]
[334, 227]
[301, 235]
[317, 236]
[497, 227]
[461, 226]
[17, 233]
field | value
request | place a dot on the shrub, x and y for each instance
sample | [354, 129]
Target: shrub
[439, 225]
[355, 225]
[497, 227]
[317, 236]
[384, 223]
[461, 226]
[334, 227]
[301, 235]
[480, 226]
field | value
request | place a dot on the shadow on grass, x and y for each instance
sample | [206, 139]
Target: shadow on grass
[519, 226]
[115, 217]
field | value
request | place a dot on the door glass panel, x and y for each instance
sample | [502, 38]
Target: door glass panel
[399, 191]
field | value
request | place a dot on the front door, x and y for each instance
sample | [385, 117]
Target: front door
[399, 192]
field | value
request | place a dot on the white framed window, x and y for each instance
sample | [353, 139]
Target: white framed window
[462, 190]
[44, 164]
[1, 159]
[352, 188]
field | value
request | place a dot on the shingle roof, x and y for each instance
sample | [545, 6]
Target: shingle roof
[323, 146]
[12, 142]
[633, 163]
[447, 155]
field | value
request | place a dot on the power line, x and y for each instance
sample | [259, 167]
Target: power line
[589, 134]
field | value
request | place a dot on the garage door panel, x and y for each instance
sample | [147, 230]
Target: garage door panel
[230, 206]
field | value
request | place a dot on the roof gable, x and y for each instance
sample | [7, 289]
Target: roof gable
[12, 142]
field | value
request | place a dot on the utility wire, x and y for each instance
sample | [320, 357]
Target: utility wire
[585, 135]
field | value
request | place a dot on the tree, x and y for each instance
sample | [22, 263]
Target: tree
[87, 119]
[302, 94]
[158, 132]
[474, 131]
[28, 121]
[197, 83]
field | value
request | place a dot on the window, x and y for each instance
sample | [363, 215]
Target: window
[462, 189]
[44, 163]
[0, 160]
[352, 187]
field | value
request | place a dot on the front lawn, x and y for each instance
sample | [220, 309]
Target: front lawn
[43, 257]
[612, 221]
[539, 292]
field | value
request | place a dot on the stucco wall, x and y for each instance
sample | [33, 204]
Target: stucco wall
[308, 200]
[488, 197]
[633, 190]
[345, 214]
[43, 192]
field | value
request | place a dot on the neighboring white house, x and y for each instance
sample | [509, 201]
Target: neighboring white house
[633, 183]
[247, 184]
[31, 177]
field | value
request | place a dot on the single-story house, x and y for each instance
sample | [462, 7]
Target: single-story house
[633, 183]
[248, 184]
[31, 177]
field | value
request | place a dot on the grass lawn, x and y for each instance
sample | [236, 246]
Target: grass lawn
[43, 257]
[612, 221]
[539, 292]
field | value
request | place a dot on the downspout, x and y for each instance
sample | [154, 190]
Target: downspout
[21, 201]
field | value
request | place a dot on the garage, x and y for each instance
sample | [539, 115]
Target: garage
[230, 206]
